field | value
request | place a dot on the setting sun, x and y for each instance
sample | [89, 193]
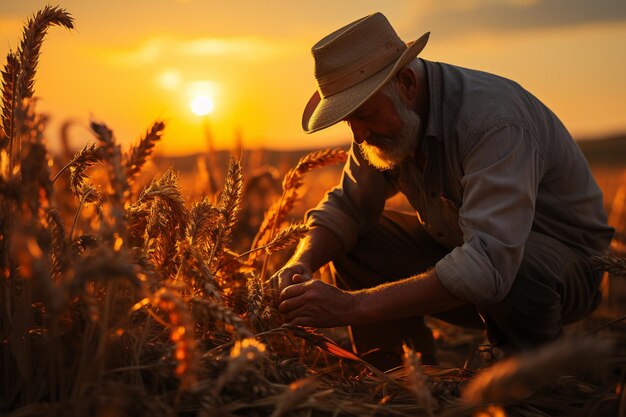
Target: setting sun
[202, 105]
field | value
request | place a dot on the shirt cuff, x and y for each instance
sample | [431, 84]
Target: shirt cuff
[466, 274]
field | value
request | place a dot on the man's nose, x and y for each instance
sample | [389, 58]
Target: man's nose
[359, 132]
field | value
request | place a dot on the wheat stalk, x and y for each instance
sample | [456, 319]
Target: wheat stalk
[258, 313]
[88, 194]
[612, 264]
[166, 189]
[139, 154]
[517, 377]
[88, 156]
[222, 313]
[28, 52]
[288, 236]
[295, 394]
[112, 154]
[84, 242]
[136, 220]
[158, 239]
[182, 334]
[35, 187]
[416, 380]
[195, 267]
[34, 32]
[314, 160]
[204, 218]
[292, 181]
[243, 353]
[168, 212]
[59, 244]
[230, 202]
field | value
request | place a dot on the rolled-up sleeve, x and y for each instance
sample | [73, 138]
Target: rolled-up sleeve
[501, 169]
[349, 209]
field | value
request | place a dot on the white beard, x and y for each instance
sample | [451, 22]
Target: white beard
[385, 153]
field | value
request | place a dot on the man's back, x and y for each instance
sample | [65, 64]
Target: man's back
[568, 204]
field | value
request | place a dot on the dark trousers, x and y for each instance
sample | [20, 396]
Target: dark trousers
[555, 285]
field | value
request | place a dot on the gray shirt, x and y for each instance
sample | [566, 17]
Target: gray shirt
[499, 164]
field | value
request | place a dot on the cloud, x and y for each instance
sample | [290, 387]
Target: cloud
[244, 47]
[155, 49]
[462, 16]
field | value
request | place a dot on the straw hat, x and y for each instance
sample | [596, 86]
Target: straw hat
[351, 65]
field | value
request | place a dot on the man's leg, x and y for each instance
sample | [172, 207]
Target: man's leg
[554, 286]
[398, 247]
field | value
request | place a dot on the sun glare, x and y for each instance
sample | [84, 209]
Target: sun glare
[202, 105]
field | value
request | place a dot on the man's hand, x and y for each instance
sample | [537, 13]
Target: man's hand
[285, 277]
[316, 304]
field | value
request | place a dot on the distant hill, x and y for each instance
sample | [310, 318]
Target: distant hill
[606, 151]
[283, 160]
[610, 150]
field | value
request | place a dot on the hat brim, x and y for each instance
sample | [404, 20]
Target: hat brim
[320, 113]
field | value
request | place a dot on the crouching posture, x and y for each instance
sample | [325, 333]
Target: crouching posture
[507, 212]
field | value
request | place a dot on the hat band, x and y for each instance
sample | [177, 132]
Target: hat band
[328, 87]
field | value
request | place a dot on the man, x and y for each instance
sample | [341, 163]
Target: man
[506, 216]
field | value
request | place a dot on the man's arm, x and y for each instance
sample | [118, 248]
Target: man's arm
[314, 303]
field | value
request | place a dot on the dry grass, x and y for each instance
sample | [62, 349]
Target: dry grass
[125, 300]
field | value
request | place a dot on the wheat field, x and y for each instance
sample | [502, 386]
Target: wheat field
[122, 295]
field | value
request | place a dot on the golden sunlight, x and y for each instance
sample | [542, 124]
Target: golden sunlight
[202, 105]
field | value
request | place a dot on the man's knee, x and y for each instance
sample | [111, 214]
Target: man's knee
[553, 286]
[529, 315]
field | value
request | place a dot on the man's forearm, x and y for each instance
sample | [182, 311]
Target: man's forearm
[415, 296]
[319, 247]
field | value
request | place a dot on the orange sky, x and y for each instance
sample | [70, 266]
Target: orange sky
[130, 62]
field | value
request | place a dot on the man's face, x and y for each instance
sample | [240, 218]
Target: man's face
[385, 129]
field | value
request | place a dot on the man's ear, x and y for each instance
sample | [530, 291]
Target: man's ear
[407, 83]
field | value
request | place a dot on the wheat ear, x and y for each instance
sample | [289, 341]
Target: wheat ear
[258, 313]
[28, 52]
[230, 200]
[113, 156]
[292, 182]
[203, 219]
[59, 240]
[88, 156]
[222, 313]
[34, 32]
[166, 189]
[230, 204]
[288, 236]
[9, 97]
[139, 154]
